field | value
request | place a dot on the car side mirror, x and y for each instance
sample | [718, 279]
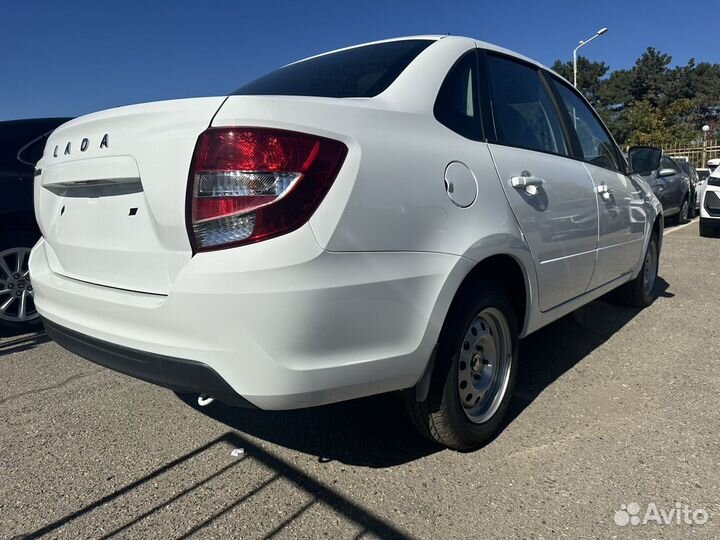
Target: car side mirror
[665, 172]
[644, 159]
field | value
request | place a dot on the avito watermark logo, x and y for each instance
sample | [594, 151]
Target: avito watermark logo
[680, 514]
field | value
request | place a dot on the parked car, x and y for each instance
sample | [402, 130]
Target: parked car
[374, 219]
[687, 168]
[673, 188]
[703, 175]
[710, 206]
[21, 146]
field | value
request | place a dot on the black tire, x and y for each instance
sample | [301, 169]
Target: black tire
[441, 417]
[10, 241]
[682, 216]
[639, 292]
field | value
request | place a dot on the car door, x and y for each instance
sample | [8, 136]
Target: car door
[551, 195]
[620, 198]
[670, 186]
[673, 183]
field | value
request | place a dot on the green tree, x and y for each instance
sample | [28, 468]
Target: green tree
[590, 76]
[651, 102]
[650, 124]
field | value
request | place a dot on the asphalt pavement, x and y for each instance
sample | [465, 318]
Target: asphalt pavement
[615, 423]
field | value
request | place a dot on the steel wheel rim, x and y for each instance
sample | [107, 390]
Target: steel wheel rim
[684, 211]
[650, 269]
[17, 297]
[484, 365]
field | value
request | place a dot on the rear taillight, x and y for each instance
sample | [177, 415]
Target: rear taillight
[250, 184]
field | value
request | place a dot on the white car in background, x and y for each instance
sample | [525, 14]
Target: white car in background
[703, 175]
[391, 216]
[710, 206]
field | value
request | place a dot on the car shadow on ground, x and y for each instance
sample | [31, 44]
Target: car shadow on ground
[11, 329]
[369, 432]
[558, 347]
[374, 432]
[365, 520]
[20, 340]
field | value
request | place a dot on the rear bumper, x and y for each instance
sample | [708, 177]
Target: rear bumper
[173, 373]
[308, 328]
[709, 226]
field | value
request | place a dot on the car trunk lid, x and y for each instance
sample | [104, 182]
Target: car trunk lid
[110, 193]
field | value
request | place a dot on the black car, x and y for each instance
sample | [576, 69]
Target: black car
[21, 146]
[692, 174]
[673, 188]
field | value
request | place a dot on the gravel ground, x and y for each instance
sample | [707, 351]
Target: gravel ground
[614, 406]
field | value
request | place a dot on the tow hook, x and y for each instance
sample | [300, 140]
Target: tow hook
[204, 400]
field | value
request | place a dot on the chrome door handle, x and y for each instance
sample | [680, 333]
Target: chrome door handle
[605, 192]
[527, 182]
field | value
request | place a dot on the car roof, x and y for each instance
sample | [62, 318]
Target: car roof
[438, 37]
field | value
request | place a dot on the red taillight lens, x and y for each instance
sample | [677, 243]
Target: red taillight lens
[250, 184]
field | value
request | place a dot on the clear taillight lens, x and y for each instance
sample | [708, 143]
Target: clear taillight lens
[250, 184]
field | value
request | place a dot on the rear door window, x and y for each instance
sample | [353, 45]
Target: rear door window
[457, 104]
[364, 71]
[597, 146]
[523, 111]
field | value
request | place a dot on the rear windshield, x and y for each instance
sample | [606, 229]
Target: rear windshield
[358, 72]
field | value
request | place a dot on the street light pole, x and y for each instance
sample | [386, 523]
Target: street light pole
[705, 130]
[582, 44]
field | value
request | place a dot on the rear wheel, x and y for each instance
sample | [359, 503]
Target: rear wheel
[682, 216]
[640, 292]
[474, 373]
[17, 302]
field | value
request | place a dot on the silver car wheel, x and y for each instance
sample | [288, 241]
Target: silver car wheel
[484, 364]
[16, 292]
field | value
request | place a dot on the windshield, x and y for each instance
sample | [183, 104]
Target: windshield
[362, 71]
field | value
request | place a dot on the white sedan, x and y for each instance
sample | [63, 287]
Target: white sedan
[391, 216]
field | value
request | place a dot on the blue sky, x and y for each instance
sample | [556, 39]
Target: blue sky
[72, 57]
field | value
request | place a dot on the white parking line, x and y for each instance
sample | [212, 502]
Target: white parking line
[668, 231]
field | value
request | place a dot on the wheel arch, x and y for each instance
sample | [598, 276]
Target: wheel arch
[508, 273]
